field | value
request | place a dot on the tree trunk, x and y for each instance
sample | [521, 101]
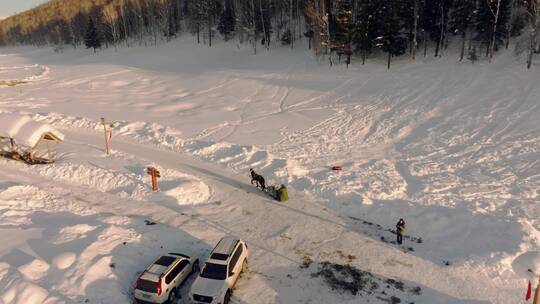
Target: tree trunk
[425, 43]
[389, 58]
[291, 26]
[534, 17]
[441, 35]
[266, 36]
[364, 55]
[492, 42]
[532, 43]
[210, 30]
[415, 30]
[509, 30]
[463, 40]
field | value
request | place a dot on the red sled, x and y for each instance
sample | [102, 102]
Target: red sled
[336, 168]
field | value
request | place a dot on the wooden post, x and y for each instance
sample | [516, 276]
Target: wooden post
[154, 173]
[105, 132]
[31, 155]
[154, 181]
[12, 142]
[49, 151]
[537, 293]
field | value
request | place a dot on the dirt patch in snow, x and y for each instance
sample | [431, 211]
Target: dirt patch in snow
[347, 278]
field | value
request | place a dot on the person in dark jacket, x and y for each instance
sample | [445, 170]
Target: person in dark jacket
[400, 229]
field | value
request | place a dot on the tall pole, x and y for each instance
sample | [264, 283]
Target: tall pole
[537, 293]
[106, 137]
[154, 173]
[154, 180]
[415, 31]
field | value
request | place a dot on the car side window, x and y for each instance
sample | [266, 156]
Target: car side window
[172, 274]
[175, 271]
[234, 259]
[182, 265]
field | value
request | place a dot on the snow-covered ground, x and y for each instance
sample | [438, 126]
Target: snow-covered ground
[453, 148]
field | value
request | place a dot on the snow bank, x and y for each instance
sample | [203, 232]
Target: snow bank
[21, 74]
[527, 265]
[75, 253]
[24, 130]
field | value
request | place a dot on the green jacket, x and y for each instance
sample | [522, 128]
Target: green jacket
[282, 194]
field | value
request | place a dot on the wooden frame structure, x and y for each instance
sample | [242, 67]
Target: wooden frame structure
[24, 139]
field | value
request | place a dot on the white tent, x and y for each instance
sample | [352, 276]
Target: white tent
[27, 134]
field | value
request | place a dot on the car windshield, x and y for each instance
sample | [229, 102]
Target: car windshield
[214, 271]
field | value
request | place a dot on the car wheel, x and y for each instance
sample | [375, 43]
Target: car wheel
[195, 267]
[172, 296]
[245, 266]
[227, 298]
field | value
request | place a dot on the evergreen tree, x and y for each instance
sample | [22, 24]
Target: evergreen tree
[343, 28]
[410, 14]
[492, 23]
[286, 38]
[388, 27]
[248, 22]
[197, 13]
[461, 19]
[263, 24]
[473, 56]
[227, 20]
[362, 36]
[92, 39]
[435, 23]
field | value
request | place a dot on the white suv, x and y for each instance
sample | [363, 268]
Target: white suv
[221, 271]
[159, 283]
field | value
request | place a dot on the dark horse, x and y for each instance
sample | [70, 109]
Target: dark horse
[258, 179]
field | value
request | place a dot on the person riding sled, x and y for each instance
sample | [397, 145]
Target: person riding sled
[282, 194]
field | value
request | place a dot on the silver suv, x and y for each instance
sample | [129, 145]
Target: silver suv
[159, 283]
[220, 272]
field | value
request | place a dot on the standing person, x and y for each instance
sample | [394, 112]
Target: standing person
[400, 229]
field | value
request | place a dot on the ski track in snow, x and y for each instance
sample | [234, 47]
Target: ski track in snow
[436, 148]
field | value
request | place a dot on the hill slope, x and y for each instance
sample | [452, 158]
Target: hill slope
[452, 148]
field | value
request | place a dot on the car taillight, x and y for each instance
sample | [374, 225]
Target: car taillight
[159, 287]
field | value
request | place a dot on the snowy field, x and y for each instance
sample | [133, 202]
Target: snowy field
[453, 148]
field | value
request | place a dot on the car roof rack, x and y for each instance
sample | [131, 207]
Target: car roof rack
[179, 254]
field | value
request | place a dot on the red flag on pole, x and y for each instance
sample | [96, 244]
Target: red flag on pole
[529, 292]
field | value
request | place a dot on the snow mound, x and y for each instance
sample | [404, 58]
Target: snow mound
[527, 264]
[73, 252]
[129, 183]
[14, 75]
[24, 130]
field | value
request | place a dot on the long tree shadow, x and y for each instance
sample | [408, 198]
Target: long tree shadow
[98, 255]
[442, 235]
[129, 259]
[251, 189]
